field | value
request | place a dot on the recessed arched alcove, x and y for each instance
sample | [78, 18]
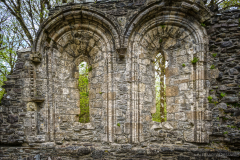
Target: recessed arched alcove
[80, 38]
[181, 40]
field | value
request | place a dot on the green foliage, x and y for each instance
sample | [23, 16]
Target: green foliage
[118, 124]
[195, 60]
[3, 78]
[157, 116]
[210, 99]
[231, 126]
[212, 66]
[236, 105]
[225, 132]
[218, 118]
[2, 92]
[214, 55]
[160, 40]
[7, 61]
[84, 93]
[223, 95]
[225, 118]
[215, 103]
[225, 4]
[202, 24]
[183, 65]
[90, 69]
[163, 26]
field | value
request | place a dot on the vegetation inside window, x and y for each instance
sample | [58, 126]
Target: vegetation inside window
[84, 116]
[160, 87]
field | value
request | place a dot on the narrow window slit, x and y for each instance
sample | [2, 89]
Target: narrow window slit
[83, 86]
[160, 65]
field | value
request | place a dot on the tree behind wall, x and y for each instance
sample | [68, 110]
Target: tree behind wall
[19, 22]
[160, 88]
[224, 4]
[9, 42]
[84, 93]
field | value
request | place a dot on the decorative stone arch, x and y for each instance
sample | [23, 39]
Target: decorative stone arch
[67, 38]
[176, 31]
[77, 15]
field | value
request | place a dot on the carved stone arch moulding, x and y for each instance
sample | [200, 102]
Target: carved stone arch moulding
[94, 20]
[180, 39]
[182, 9]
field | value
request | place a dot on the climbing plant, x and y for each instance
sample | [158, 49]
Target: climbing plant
[160, 87]
[84, 93]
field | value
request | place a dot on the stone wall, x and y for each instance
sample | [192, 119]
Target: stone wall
[119, 41]
[14, 104]
[224, 46]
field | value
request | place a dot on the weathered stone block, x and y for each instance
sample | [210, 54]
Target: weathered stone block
[171, 72]
[31, 106]
[167, 125]
[172, 108]
[170, 117]
[156, 125]
[183, 86]
[83, 151]
[172, 91]
[12, 118]
[180, 116]
[230, 99]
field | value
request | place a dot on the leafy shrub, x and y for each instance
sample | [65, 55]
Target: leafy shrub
[90, 69]
[195, 60]
[212, 67]
[214, 55]
[202, 24]
[210, 99]
[162, 26]
[223, 95]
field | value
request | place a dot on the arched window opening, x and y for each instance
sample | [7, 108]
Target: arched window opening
[84, 116]
[160, 89]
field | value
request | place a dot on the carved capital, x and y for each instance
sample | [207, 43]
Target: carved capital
[36, 57]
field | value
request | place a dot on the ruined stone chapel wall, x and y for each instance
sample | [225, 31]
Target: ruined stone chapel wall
[119, 41]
